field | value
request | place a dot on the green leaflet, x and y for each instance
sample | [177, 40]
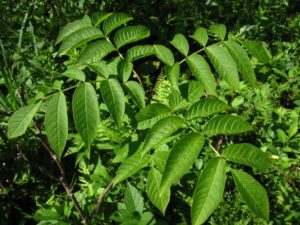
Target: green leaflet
[209, 190]
[114, 21]
[131, 166]
[164, 54]
[242, 61]
[74, 74]
[95, 52]
[176, 101]
[224, 65]
[173, 74]
[73, 27]
[219, 30]
[195, 91]
[181, 158]
[130, 34]
[226, 124]
[21, 119]
[252, 192]
[56, 123]
[201, 70]
[259, 50]
[149, 115]
[200, 36]
[247, 154]
[100, 68]
[133, 199]
[79, 38]
[163, 129]
[181, 44]
[125, 68]
[86, 112]
[137, 93]
[206, 107]
[99, 17]
[114, 99]
[152, 189]
[139, 52]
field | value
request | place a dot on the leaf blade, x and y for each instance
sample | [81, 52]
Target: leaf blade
[164, 54]
[181, 44]
[114, 21]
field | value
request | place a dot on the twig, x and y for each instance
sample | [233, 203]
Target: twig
[102, 196]
[215, 151]
[63, 178]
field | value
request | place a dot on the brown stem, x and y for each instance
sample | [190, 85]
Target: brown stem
[102, 196]
[63, 178]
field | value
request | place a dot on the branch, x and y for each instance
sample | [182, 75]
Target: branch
[63, 178]
[102, 196]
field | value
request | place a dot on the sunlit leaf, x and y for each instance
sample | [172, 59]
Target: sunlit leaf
[181, 44]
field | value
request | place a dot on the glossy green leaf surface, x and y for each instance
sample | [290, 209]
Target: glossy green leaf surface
[137, 93]
[125, 68]
[139, 52]
[181, 44]
[242, 61]
[152, 189]
[181, 158]
[224, 65]
[200, 36]
[206, 107]
[247, 154]
[56, 123]
[130, 34]
[162, 130]
[95, 52]
[152, 113]
[201, 70]
[259, 50]
[252, 192]
[164, 54]
[209, 190]
[86, 112]
[114, 99]
[226, 124]
[74, 73]
[79, 38]
[114, 21]
[219, 30]
[21, 119]
[99, 17]
[73, 27]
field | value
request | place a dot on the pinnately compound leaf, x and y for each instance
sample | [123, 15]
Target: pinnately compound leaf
[242, 61]
[114, 21]
[224, 65]
[79, 38]
[200, 36]
[252, 192]
[181, 159]
[209, 190]
[226, 124]
[139, 52]
[201, 70]
[247, 154]
[206, 107]
[137, 93]
[130, 34]
[86, 112]
[95, 51]
[152, 189]
[181, 44]
[56, 123]
[114, 99]
[162, 130]
[164, 54]
[21, 119]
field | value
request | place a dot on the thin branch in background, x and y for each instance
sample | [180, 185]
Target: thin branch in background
[102, 196]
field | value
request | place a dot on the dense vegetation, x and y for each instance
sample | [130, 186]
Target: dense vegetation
[149, 112]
